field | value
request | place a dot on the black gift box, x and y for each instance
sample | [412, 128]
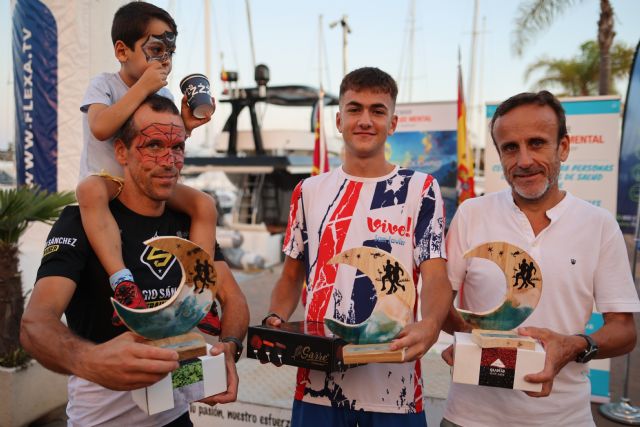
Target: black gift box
[304, 344]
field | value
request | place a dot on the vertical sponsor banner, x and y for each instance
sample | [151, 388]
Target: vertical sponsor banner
[629, 174]
[591, 171]
[58, 45]
[426, 141]
[35, 70]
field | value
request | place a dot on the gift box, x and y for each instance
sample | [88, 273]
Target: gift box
[303, 344]
[195, 379]
[496, 366]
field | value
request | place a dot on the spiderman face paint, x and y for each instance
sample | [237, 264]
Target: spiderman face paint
[161, 144]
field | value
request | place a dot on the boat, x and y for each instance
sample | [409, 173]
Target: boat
[265, 165]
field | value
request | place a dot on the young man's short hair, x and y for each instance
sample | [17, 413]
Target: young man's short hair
[157, 103]
[542, 98]
[369, 78]
[131, 20]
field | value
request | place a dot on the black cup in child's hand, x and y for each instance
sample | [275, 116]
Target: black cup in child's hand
[196, 88]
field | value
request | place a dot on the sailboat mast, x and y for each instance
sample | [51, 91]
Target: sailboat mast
[253, 49]
[207, 57]
[412, 32]
[472, 70]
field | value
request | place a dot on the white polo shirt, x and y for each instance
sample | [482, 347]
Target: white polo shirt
[582, 258]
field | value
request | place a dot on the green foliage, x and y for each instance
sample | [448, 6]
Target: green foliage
[20, 206]
[187, 374]
[579, 76]
[535, 16]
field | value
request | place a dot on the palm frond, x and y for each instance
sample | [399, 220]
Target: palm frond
[534, 16]
[20, 206]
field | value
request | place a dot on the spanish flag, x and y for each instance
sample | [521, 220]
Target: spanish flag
[464, 185]
[320, 159]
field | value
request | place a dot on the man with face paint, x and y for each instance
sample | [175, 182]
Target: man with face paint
[103, 360]
[144, 39]
[583, 261]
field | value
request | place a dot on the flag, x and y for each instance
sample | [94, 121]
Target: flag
[320, 159]
[464, 185]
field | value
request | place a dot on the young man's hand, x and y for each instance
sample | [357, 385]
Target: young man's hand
[190, 121]
[154, 78]
[417, 337]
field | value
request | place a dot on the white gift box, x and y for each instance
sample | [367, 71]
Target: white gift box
[495, 367]
[195, 379]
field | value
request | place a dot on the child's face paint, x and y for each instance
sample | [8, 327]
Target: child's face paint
[160, 47]
[162, 144]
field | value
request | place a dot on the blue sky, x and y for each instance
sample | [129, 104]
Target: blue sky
[286, 39]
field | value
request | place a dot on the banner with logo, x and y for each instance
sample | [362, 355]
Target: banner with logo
[426, 141]
[591, 171]
[35, 69]
[58, 45]
[629, 175]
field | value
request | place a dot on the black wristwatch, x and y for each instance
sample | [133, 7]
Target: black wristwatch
[238, 343]
[589, 352]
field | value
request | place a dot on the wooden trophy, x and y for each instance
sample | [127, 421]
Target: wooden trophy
[524, 288]
[169, 325]
[369, 341]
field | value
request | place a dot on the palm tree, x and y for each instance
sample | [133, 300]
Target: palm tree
[19, 207]
[536, 15]
[578, 76]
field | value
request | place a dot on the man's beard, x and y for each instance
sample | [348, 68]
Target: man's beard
[527, 194]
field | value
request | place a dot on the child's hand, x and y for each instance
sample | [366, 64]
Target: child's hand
[190, 121]
[154, 77]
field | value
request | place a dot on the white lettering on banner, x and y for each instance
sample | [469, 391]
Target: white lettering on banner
[27, 106]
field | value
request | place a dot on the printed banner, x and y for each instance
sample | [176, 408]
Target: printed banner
[426, 141]
[629, 174]
[591, 171]
[35, 70]
[239, 414]
[58, 45]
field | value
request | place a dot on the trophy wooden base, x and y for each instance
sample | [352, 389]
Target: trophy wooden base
[371, 353]
[487, 338]
[188, 346]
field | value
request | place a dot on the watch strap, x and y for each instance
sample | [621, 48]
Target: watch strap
[238, 343]
[589, 352]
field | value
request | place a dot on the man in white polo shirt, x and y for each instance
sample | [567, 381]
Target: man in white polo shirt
[583, 259]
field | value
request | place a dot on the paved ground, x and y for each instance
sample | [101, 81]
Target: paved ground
[257, 288]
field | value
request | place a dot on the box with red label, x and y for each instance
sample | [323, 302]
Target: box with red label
[495, 367]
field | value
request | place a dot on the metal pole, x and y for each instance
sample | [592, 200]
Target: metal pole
[207, 59]
[253, 50]
[345, 30]
[624, 412]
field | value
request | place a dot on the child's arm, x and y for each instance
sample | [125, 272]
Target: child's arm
[202, 210]
[104, 121]
[93, 194]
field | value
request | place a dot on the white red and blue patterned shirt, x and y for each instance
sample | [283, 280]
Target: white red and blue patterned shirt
[401, 213]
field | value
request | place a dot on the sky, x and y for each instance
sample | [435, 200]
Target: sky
[286, 38]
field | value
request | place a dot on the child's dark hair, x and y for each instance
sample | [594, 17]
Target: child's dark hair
[131, 20]
[157, 103]
[369, 78]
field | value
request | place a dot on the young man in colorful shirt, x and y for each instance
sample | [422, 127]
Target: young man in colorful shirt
[365, 202]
